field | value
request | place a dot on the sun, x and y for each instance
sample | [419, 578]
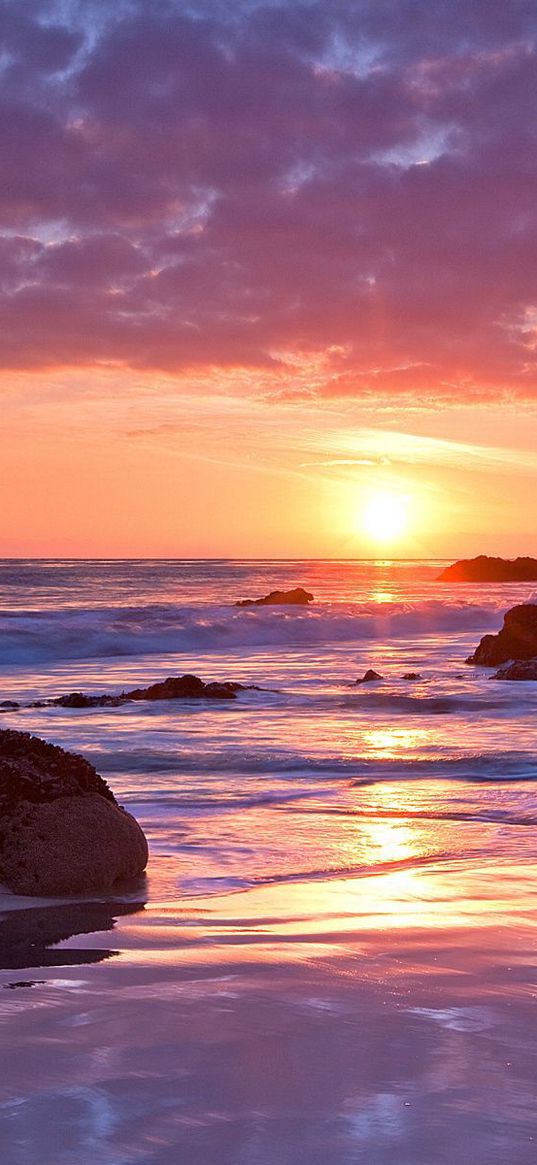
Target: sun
[385, 517]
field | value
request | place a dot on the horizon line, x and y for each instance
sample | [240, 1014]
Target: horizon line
[237, 558]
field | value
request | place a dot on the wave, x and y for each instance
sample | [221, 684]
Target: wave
[421, 705]
[224, 886]
[106, 632]
[499, 765]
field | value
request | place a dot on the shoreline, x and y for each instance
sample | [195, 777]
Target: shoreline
[348, 1019]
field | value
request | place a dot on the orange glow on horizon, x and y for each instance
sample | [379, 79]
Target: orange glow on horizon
[125, 465]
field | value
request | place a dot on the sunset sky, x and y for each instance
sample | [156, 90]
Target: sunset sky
[261, 263]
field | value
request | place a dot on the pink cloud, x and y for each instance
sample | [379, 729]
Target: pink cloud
[220, 188]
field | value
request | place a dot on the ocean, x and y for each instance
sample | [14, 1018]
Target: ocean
[332, 960]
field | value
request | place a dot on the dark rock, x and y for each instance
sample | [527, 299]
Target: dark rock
[173, 688]
[61, 828]
[23, 983]
[411, 675]
[9, 706]
[73, 700]
[520, 669]
[296, 596]
[220, 691]
[181, 687]
[79, 700]
[485, 569]
[516, 640]
[369, 677]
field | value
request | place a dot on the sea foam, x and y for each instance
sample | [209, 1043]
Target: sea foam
[88, 633]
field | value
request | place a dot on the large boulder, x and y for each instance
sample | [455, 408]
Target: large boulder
[520, 669]
[61, 828]
[487, 569]
[516, 640]
[297, 596]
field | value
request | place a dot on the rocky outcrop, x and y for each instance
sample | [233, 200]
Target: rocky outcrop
[485, 569]
[185, 687]
[411, 675]
[61, 828]
[517, 639]
[296, 596]
[521, 669]
[173, 688]
[369, 677]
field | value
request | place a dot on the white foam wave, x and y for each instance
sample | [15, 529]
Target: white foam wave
[88, 633]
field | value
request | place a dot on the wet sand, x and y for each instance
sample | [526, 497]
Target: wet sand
[369, 1019]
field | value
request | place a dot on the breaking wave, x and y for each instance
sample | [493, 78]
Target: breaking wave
[88, 633]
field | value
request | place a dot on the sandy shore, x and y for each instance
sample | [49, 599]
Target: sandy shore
[368, 1019]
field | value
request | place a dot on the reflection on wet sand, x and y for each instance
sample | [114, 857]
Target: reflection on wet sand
[27, 936]
[340, 1019]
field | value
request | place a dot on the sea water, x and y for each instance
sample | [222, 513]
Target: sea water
[374, 844]
[311, 741]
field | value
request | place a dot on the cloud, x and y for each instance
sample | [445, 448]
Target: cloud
[274, 186]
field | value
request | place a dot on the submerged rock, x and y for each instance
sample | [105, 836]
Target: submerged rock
[61, 828]
[369, 677]
[520, 669]
[486, 569]
[411, 675]
[183, 687]
[298, 595]
[516, 640]
[80, 700]
[173, 688]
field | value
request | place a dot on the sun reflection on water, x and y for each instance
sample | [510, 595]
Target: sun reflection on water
[389, 742]
[383, 596]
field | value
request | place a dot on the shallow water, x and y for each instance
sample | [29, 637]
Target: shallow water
[335, 961]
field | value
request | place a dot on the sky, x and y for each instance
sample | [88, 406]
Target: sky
[262, 263]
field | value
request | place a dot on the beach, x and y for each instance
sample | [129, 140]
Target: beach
[331, 959]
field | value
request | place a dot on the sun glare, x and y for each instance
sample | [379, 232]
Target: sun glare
[385, 516]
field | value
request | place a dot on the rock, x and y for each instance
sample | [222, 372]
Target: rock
[173, 688]
[516, 640]
[296, 596]
[225, 691]
[61, 828]
[369, 677]
[485, 569]
[411, 675]
[183, 687]
[79, 700]
[520, 669]
[9, 706]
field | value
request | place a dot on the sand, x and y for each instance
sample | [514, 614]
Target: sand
[373, 1019]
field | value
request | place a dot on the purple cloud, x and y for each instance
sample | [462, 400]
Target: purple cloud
[247, 184]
